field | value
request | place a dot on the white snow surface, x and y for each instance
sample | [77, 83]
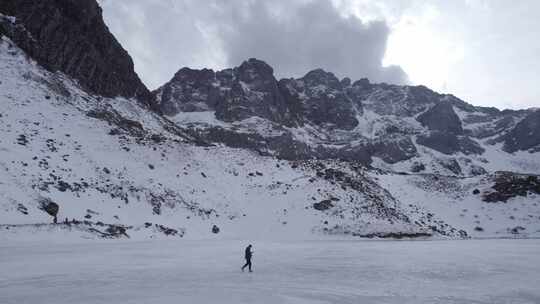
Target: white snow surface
[400, 272]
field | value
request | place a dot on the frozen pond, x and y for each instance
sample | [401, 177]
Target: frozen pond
[473, 271]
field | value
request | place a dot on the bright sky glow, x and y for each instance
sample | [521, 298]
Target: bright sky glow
[424, 54]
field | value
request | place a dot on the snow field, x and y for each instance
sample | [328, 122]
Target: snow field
[472, 271]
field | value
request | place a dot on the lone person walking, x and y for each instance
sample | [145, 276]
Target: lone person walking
[247, 255]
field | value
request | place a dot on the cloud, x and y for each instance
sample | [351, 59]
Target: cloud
[297, 38]
[293, 36]
[162, 36]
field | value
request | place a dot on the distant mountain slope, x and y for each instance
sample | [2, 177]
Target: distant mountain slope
[405, 128]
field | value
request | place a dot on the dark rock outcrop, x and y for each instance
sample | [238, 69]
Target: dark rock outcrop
[477, 170]
[442, 118]
[508, 185]
[111, 116]
[189, 90]
[393, 150]
[525, 135]
[323, 205]
[322, 100]
[254, 92]
[452, 165]
[449, 143]
[234, 94]
[418, 167]
[70, 36]
[50, 207]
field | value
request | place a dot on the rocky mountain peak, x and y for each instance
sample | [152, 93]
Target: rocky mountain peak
[362, 82]
[321, 77]
[188, 74]
[253, 69]
[70, 36]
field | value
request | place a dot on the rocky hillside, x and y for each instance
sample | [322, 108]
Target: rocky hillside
[237, 153]
[410, 128]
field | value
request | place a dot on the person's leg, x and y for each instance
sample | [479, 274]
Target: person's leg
[249, 263]
[245, 265]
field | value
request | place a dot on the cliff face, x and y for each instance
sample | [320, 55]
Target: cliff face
[70, 36]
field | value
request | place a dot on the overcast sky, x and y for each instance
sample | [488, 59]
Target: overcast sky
[485, 52]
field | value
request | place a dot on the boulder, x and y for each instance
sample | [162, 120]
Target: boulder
[49, 206]
[323, 205]
[418, 167]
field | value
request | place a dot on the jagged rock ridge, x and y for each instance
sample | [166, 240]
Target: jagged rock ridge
[320, 116]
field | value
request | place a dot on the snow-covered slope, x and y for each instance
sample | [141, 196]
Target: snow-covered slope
[112, 162]
[238, 154]
[461, 203]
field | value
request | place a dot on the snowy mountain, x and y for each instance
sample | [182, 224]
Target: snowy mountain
[405, 128]
[239, 154]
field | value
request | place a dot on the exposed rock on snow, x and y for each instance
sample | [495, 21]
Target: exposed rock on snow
[525, 135]
[508, 185]
[50, 207]
[441, 117]
[323, 205]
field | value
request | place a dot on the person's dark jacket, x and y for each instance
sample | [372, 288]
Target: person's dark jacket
[248, 253]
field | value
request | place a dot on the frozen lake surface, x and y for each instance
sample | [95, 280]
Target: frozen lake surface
[473, 271]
